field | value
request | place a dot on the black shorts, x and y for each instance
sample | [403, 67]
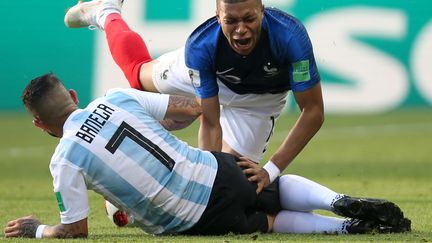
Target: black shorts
[234, 205]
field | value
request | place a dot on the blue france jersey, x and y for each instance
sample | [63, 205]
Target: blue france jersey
[117, 148]
[282, 60]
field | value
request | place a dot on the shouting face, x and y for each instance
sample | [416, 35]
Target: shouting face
[241, 23]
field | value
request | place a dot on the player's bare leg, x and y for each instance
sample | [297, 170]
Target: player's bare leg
[227, 149]
[146, 78]
[127, 47]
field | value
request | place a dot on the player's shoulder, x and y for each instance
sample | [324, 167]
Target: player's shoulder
[205, 34]
[276, 18]
[282, 26]
[202, 42]
[118, 94]
[283, 30]
[67, 147]
[113, 91]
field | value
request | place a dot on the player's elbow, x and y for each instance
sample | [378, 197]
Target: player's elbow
[196, 112]
[315, 116]
[192, 111]
[320, 117]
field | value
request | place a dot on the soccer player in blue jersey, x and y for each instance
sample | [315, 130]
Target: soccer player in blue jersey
[245, 59]
[117, 147]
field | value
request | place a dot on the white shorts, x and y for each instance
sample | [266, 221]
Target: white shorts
[247, 120]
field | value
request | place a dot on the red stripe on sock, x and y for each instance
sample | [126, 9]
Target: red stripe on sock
[127, 48]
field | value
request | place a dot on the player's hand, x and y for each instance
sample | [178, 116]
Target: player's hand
[255, 173]
[22, 227]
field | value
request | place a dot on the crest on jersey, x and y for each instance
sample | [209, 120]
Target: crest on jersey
[270, 71]
[195, 78]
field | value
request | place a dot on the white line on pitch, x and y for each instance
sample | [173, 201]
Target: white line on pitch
[27, 152]
[324, 133]
[366, 130]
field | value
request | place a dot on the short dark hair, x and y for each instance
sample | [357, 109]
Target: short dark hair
[38, 87]
[233, 1]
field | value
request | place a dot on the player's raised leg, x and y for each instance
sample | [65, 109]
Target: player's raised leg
[91, 13]
[127, 47]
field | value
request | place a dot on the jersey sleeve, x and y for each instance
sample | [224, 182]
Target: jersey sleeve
[200, 52]
[290, 42]
[71, 192]
[154, 104]
[303, 69]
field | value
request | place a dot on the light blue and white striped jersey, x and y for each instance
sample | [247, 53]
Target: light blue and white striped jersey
[117, 148]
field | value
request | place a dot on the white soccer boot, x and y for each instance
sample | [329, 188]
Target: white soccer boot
[91, 14]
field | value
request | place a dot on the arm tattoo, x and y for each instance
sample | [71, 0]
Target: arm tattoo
[28, 228]
[177, 101]
[182, 112]
[69, 231]
[172, 125]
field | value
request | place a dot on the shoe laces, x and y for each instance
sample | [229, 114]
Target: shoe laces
[92, 27]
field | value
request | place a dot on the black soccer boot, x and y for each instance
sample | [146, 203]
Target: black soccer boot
[360, 226]
[381, 211]
[404, 225]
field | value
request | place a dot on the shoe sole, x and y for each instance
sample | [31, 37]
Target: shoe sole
[73, 18]
[404, 225]
[384, 212]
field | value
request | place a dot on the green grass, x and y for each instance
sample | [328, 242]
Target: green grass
[387, 156]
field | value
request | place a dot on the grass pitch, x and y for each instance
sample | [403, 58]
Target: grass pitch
[385, 156]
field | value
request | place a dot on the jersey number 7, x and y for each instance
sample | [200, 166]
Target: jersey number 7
[126, 130]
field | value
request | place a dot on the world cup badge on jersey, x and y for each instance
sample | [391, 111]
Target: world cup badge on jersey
[301, 71]
[195, 78]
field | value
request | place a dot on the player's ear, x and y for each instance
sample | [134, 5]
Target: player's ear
[217, 17]
[74, 96]
[217, 12]
[38, 123]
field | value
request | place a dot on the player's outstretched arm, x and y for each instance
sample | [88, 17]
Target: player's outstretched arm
[311, 118]
[31, 227]
[182, 108]
[210, 131]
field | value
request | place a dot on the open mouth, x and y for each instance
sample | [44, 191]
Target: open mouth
[243, 45]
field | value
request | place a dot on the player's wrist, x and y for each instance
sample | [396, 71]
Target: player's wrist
[39, 231]
[272, 170]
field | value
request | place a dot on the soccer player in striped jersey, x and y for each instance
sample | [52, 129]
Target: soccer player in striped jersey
[117, 147]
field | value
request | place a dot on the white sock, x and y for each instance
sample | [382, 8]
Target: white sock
[303, 223]
[108, 8]
[102, 18]
[300, 194]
